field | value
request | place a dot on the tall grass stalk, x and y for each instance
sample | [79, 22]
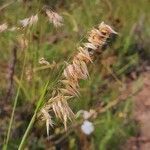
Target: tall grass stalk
[37, 109]
[14, 107]
[32, 119]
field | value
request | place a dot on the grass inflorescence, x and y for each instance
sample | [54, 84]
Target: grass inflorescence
[37, 86]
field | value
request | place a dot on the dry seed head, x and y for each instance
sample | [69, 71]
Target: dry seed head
[106, 29]
[83, 55]
[96, 38]
[48, 120]
[54, 18]
[29, 21]
[3, 27]
[62, 109]
[75, 71]
[90, 46]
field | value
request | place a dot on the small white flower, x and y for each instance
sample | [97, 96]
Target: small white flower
[87, 127]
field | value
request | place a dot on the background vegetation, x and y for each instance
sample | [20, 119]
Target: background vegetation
[114, 77]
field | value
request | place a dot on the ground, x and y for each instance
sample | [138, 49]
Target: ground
[141, 114]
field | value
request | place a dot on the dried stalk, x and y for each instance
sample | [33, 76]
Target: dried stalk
[73, 72]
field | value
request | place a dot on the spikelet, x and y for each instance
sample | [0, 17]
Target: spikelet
[47, 118]
[74, 72]
[62, 110]
[3, 27]
[29, 21]
[54, 18]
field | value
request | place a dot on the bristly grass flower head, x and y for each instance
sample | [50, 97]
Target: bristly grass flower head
[73, 72]
[54, 18]
[29, 21]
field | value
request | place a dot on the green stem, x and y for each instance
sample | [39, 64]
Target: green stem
[32, 119]
[27, 132]
[14, 108]
[11, 120]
